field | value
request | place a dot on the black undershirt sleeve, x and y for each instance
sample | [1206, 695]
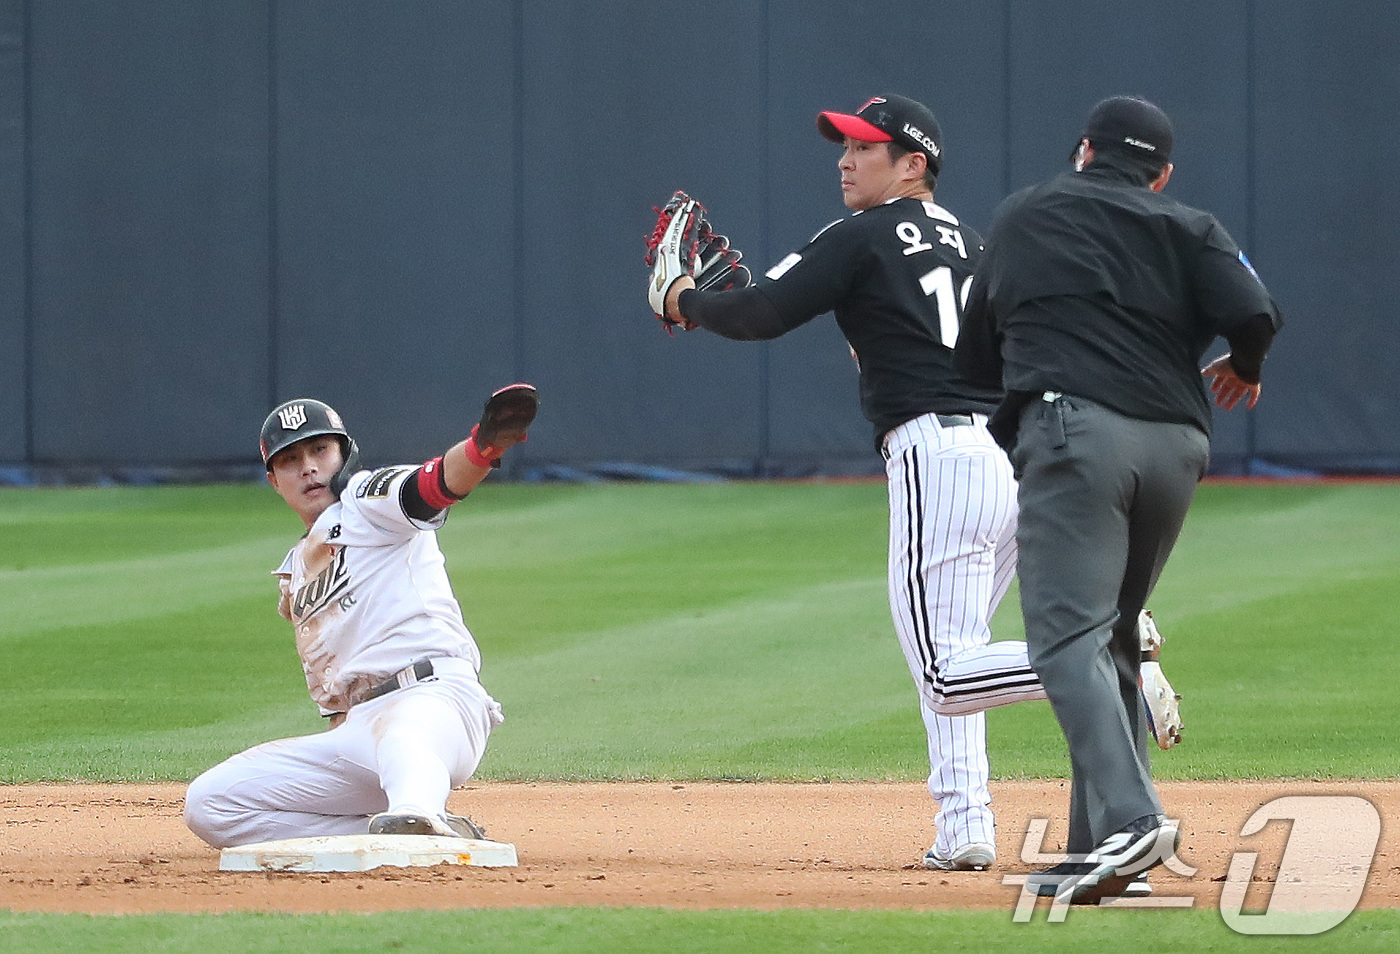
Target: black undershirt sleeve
[743, 314]
[411, 495]
[412, 501]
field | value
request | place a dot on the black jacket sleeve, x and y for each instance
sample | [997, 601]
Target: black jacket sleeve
[1249, 342]
[1234, 300]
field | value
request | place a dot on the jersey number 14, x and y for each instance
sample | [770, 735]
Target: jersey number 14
[939, 283]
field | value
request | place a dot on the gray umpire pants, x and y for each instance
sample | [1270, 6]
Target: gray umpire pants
[1102, 500]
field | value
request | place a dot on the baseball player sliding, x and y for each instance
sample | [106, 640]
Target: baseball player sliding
[896, 274]
[386, 654]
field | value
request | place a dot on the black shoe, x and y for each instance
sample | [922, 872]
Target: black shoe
[1047, 883]
[1141, 844]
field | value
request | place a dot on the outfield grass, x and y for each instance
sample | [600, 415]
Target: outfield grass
[603, 931]
[661, 631]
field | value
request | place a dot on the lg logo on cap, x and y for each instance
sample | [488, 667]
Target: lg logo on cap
[917, 134]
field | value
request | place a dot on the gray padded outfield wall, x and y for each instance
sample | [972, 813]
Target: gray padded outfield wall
[398, 205]
[14, 359]
[148, 184]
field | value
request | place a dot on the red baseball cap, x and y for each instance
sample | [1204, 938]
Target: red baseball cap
[888, 119]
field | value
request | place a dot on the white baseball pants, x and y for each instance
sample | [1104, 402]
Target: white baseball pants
[952, 555]
[401, 752]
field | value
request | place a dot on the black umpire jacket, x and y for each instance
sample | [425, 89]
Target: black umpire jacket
[1094, 285]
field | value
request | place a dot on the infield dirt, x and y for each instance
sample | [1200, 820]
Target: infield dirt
[124, 849]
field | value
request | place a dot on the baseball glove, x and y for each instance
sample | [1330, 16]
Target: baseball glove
[504, 420]
[684, 245]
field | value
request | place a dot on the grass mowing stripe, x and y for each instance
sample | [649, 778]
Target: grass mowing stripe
[629, 554]
[119, 590]
[154, 698]
[791, 669]
[1248, 544]
[604, 931]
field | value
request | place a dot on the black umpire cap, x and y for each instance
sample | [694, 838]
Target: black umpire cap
[1132, 125]
[888, 119]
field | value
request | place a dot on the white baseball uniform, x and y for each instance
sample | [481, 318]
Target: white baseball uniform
[368, 594]
[952, 556]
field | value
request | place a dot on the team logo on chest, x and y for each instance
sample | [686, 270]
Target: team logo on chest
[326, 587]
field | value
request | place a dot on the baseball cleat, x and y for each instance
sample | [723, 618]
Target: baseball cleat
[1141, 844]
[412, 823]
[465, 827]
[974, 856]
[1046, 884]
[1162, 701]
[1163, 705]
[1149, 638]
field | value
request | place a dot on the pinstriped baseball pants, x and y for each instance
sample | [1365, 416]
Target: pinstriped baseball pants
[952, 554]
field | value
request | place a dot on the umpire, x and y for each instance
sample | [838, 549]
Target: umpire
[1094, 304]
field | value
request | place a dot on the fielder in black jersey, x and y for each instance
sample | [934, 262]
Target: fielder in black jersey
[896, 274]
[1094, 306]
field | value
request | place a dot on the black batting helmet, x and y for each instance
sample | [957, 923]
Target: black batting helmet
[300, 418]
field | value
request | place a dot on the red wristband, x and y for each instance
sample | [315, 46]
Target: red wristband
[432, 486]
[479, 457]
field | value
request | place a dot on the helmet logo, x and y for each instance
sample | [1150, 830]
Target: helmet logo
[292, 417]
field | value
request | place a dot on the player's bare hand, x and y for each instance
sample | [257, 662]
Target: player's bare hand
[1227, 386]
[673, 297]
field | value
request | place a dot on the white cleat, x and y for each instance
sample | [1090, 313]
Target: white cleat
[1149, 639]
[975, 856]
[1163, 705]
[1162, 701]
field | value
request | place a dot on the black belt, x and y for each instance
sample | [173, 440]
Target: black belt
[954, 420]
[419, 671]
